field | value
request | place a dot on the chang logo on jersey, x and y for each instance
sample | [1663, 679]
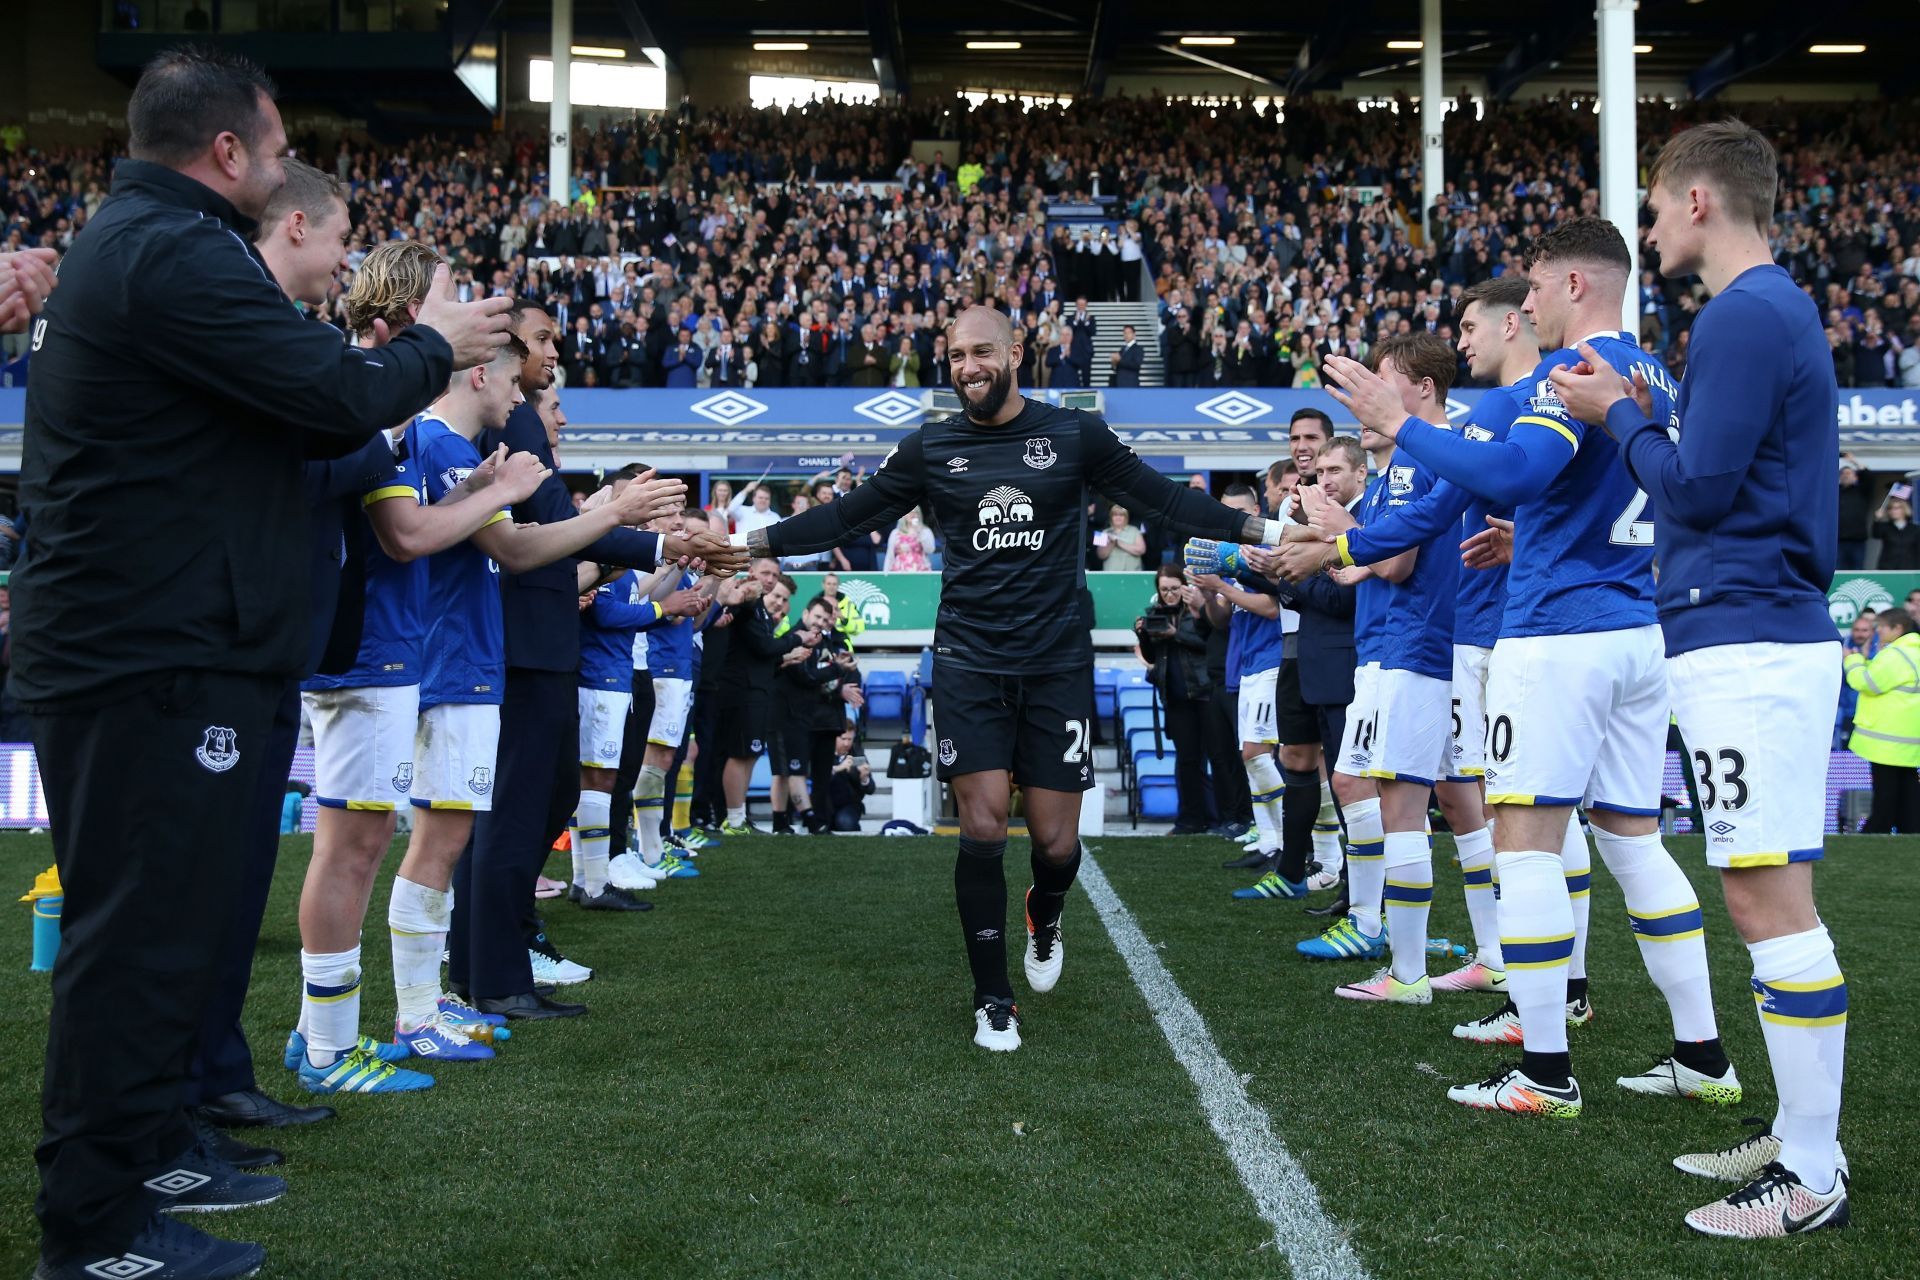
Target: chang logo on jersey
[1040, 454]
[999, 510]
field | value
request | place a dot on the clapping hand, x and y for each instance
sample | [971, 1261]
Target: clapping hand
[26, 278]
[1328, 518]
[1373, 403]
[1491, 547]
[1593, 386]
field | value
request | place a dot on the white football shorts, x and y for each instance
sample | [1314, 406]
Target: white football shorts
[1757, 722]
[1257, 722]
[603, 727]
[1578, 720]
[363, 745]
[672, 700]
[1469, 760]
[453, 756]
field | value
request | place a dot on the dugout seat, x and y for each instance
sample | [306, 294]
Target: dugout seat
[886, 695]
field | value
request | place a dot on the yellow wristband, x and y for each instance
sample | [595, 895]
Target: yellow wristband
[1340, 545]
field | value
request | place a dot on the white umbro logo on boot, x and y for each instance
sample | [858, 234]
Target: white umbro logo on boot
[128, 1266]
[178, 1182]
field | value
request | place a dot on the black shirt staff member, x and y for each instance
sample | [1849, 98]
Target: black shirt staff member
[162, 465]
[1013, 653]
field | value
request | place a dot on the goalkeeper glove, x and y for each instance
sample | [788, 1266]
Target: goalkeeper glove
[1222, 559]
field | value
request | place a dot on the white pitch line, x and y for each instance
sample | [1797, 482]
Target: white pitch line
[1314, 1245]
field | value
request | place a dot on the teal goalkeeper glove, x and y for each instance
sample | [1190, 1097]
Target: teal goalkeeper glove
[1222, 559]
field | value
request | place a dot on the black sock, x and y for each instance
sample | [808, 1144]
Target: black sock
[1299, 810]
[1704, 1056]
[1576, 989]
[1050, 884]
[782, 821]
[1553, 1069]
[980, 891]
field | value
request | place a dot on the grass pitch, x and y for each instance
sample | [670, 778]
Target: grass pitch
[776, 1080]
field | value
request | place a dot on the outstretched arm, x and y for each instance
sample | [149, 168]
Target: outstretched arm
[894, 490]
[1122, 476]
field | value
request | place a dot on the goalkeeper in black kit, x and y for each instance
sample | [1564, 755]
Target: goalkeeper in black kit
[1013, 654]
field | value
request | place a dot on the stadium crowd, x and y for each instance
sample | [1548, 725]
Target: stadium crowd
[738, 247]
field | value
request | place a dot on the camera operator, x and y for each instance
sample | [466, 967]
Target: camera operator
[820, 686]
[1172, 644]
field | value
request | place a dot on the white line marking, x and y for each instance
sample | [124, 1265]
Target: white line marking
[1315, 1245]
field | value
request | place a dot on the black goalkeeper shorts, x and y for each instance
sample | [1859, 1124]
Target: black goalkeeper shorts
[1039, 728]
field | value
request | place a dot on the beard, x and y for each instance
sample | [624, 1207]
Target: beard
[993, 399]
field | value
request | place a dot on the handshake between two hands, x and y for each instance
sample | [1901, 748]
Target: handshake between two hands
[1306, 548]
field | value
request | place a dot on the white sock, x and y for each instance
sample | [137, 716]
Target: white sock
[1366, 868]
[574, 853]
[590, 836]
[1802, 999]
[1667, 924]
[330, 1003]
[649, 801]
[1326, 835]
[1408, 864]
[1263, 777]
[417, 919]
[737, 817]
[1536, 938]
[1576, 863]
[1476, 869]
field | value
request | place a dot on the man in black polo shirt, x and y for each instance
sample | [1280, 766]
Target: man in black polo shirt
[174, 462]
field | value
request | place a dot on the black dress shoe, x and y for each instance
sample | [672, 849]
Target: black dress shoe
[613, 899]
[530, 1007]
[1247, 862]
[249, 1108]
[1186, 829]
[241, 1155]
[1338, 907]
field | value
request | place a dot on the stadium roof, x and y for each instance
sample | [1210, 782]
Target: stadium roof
[1072, 45]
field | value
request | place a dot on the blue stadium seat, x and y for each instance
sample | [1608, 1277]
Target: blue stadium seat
[1106, 680]
[1128, 696]
[1159, 794]
[886, 695]
[1136, 718]
[1134, 677]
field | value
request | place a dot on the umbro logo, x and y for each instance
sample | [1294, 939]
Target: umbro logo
[956, 465]
[424, 1047]
[1722, 828]
[177, 1182]
[128, 1266]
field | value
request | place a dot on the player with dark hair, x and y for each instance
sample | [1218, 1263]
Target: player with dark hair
[1744, 501]
[1007, 481]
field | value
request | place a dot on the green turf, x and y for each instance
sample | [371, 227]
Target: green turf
[776, 1080]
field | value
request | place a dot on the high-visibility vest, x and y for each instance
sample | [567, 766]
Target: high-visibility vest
[1886, 724]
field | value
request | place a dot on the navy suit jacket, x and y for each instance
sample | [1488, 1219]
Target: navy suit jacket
[1324, 644]
[541, 607]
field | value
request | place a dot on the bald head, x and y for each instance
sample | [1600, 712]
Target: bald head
[981, 325]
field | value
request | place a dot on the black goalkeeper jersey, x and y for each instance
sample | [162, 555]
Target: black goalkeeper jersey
[1012, 503]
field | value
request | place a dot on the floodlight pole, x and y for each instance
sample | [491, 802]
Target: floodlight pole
[560, 110]
[1619, 146]
[1433, 152]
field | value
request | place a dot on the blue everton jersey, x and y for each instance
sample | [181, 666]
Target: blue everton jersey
[393, 625]
[1370, 597]
[671, 647]
[1748, 509]
[1416, 620]
[1583, 548]
[465, 651]
[1261, 641]
[607, 628]
[1483, 592]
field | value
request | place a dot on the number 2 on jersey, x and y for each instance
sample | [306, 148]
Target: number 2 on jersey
[1630, 530]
